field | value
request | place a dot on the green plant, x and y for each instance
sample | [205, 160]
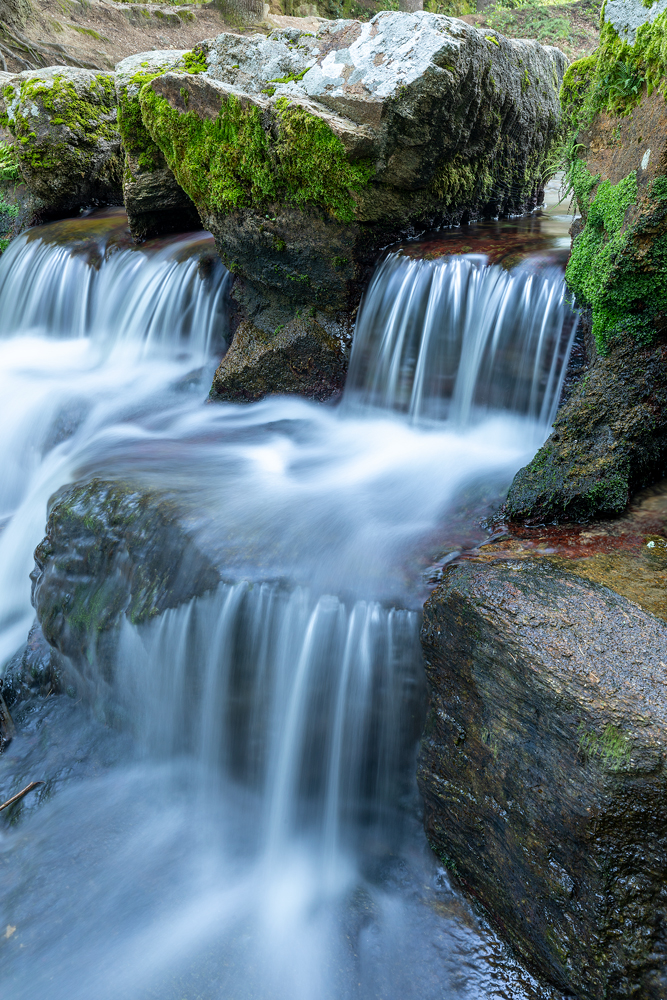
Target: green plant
[9, 169]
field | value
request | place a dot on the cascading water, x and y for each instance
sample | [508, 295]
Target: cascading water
[249, 826]
[458, 338]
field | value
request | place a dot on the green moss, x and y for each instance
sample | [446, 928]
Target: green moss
[626, 286]
[9, 170]
[612, 747]
[614, 77]
[234, 161]
[87, 31]
[195, 61]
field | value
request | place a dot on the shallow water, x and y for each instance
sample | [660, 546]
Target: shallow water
[238, 816]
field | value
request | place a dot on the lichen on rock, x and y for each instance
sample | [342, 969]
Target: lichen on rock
[66, 137]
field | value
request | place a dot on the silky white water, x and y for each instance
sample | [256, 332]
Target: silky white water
[242, 820]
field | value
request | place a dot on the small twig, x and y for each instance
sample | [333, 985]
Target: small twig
[19, 795]
[4, 61]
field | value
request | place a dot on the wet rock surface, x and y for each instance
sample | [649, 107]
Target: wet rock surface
[300, 358]
[543, 759]
[67, 140]
[110, 551]
[609, 439]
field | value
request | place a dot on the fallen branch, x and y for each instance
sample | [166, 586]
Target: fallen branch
[19, 795]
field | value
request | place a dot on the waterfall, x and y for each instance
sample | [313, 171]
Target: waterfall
[305, 703]
[458, 338]
[163, 298]
[236, 815]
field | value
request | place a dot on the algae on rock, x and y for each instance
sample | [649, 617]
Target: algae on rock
[111, 550]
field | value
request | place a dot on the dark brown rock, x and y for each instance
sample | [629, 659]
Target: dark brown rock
[543, 762]
[300, 357]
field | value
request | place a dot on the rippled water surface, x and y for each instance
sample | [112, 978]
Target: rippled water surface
[237, 817]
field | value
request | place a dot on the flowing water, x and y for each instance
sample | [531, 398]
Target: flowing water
[238, 817]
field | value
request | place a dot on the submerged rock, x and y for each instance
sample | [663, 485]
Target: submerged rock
[543, 762]
[67, 140]
[111, 550]
[306, 153]
[154, 201]
[611, 437]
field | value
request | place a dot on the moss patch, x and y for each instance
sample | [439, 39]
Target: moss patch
[248, 157]
[614, 267]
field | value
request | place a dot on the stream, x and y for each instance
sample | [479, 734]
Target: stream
[235, 815]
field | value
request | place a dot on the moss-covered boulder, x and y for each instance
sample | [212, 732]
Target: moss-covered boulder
[306, 153]
[154, 200]
[66, 137]
[544, 766]
[611, 437]
[111, 550]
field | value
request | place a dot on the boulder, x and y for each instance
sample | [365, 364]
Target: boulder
[543, 763]
[306, 153]
[154, 201]
[301, 357]
[111, 550]
[67, 141]
[610, 438]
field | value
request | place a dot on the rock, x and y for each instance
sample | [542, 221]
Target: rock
[306, 153]
[16, 13]
[302, 357]
[609, 440]
[626, 16]
[111, 550]
[154, 201]
[67, 140]
[34, 671]
[544, 759]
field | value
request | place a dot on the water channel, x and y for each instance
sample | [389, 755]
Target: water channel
[235, 815]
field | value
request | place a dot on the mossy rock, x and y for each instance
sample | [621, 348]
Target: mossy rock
[609, 438]
[156, 204]
[66, 137]
[111, 551]
[303, 171]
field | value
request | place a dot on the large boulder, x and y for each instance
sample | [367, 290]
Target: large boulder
[111, 550]
[305, 153]
[611, 437]
[66, 137]
[154, 200]
[544, 759]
